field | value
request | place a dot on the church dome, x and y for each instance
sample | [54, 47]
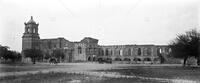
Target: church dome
[31, 21]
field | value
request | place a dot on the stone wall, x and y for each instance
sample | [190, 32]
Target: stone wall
[137, 53]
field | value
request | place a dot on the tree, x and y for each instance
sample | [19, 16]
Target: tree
[34, 54]
[3, 51]
[13, 56]
[186, 45]
[7, 54]
[59, 54]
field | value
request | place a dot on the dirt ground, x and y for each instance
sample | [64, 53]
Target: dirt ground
[98, 73]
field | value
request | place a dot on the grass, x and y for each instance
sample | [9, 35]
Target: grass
[48, 78]
[27, 67]
[188, 73]
[68, 78]
[166, 72]
[18, 69]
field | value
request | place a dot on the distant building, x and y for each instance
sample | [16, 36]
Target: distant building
[88, 49]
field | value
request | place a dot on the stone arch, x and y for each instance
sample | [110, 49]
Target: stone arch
[147, 59]
[118, 59]
[156, 59]
[134, 59]
[127, 59]
[137, 59]
[108, 58]
[100, 59]
[89, 59]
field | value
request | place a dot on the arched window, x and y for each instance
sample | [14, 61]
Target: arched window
[148, 51]
[102, 52]
[89, 59]
[79, 50]
[33, 30]
[133, 52]
[111, 52]
[159, 51]
[169, 50]
[139, 51]
[29, 30]
[118, 59]
[106, 52]
[129, 52]
[120, 52]
[90, 50]
[127, 59]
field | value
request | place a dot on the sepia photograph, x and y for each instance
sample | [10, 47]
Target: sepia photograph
[99, 41]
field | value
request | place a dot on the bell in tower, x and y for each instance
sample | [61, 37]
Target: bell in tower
[30, 38]
[31, 27]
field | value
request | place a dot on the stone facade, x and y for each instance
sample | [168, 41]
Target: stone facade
[88, 48]
[49, 45]
[134, 53]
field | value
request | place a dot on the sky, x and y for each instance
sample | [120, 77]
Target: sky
[112, 22]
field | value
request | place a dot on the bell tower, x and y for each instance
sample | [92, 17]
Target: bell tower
[30, 38]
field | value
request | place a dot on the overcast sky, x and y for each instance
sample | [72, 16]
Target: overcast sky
[113, 22]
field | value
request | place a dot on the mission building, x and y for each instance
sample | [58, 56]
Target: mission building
[88, 48]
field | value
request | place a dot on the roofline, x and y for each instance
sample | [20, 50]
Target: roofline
[54, 38]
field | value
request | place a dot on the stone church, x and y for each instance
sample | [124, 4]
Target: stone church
[88, 48]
